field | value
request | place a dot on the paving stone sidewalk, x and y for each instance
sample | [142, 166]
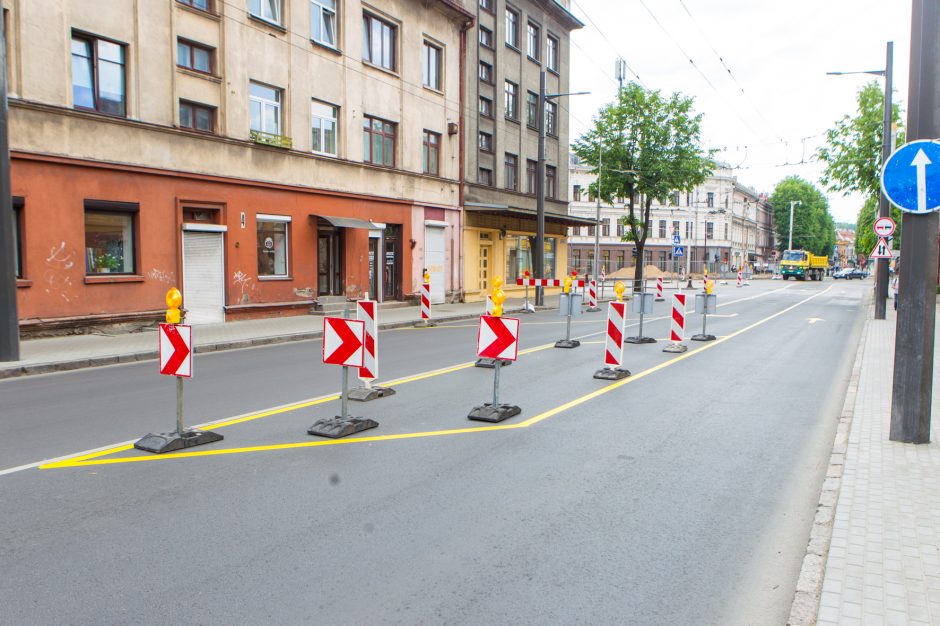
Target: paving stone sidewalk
[883, 562]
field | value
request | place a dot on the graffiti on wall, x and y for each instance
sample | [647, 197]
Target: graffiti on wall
[244, 282]
[57, 276]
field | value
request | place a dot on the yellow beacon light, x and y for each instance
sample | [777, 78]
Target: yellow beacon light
[174, 299]
[567, 284]
[498, 297]
[427, 276]
[619, 288]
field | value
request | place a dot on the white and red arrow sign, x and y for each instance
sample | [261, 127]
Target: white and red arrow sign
[342, 341]
[176, 350]
[498, 338]
[884, 226]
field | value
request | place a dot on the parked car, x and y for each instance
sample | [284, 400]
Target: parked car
[851, 272]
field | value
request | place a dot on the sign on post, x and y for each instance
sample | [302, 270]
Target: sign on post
[910, 178]
[176, 348]
[882, 250]
[884, 227]
[678, 251]
[498, 338]
[342, 341]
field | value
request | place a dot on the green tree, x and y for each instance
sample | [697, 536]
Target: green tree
[813, 226]
[651, 148]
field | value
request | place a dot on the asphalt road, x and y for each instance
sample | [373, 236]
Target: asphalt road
[683, 495]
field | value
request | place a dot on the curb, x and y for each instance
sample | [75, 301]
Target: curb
[805, 606]
[219, 346]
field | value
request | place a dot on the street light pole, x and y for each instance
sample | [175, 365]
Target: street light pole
[597, 227]
[9, 329]
[790, 231]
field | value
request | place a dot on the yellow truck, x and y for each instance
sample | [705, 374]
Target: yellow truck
[803, 265]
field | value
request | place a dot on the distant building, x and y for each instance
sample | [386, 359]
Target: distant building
[845, 247]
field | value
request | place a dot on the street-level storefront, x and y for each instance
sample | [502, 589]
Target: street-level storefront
[499, 241]
[102, 244]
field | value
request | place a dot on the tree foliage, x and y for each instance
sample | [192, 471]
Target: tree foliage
[813, 226]
[651, 148]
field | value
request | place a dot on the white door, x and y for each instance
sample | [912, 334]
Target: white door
[203, 278]
[434, 261]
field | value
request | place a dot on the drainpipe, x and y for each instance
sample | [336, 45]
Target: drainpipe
[461, 159]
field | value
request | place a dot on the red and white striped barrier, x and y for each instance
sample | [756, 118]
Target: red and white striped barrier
[740, 278]
[426, 301]
[592, 294]
[366, 312]
[677, 329]
[659, 289]
[547, 282]
[616, 318]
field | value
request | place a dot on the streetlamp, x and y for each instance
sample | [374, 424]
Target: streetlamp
[790, 232]
[881, 267]
[538, 257]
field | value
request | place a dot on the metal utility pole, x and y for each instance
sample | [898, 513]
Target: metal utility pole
[884, 209]
[914, 336]
[597, 227]
[790, 232]
[9, 319]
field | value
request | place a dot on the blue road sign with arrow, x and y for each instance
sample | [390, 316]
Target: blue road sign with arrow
[678, 251]
[910, 178]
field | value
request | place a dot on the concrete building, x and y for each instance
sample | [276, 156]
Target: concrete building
[260, 154]
[512, 43]
[721, 224]
[845, 248]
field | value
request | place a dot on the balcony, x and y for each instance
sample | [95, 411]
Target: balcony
[269, 139]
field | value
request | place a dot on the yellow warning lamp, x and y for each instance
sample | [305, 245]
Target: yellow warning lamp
[709, 285]
[174, 299]
[427, 276]
[619, 288]
[567, 284]
[498, 297]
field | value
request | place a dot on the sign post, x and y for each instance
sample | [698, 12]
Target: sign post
[497, 339]
[566, 307]
[176, 359]
[527, 307]
[613, 346]
[367, 312]
[425, 302]
[489, 362]
[705, 303]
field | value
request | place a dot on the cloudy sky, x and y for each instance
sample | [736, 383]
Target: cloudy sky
[770, 113]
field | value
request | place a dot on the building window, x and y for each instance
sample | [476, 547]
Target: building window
[511, 171]
[267, 10]
[272, 245]
[533, 41]
[432, 66]
[98, 79]
[512, 100]
[675, 198]
[688, 231]
[576, 260]
[323, 22]
[378, 141]
[647, 257]
[518, 256]
[662, 229]
[726, 230]
[486, 72]
[197, 116]
[531, 167]
[486, 37]
[18, 236]
[109, 238]
[531, 109]
[512, 28]
[486, 142]
[576, 193]
[486, 107]
[688, 199]
[203, 5]
[551, 53]
[549, 257]
[264, 109]
[551, 117]
[487, 5]
[324, 125]
[709, 230]
[378, 42]
[710, 197]
[551, 188]
[620, 263]
[605, 228]
[194, 56]
[621, 229]
[431, 156]
[485, 177]
[675, 228]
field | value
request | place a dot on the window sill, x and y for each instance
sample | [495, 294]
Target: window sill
[99, 279]
[275, 278]
[23, 282]
[433, 90]
[326, 46]
[513, 48]
[269, 24]
[534, 60]
[210, 14]
[513, 120]
[553, 71]
[379, 68]
[97, 112]
[197, 74]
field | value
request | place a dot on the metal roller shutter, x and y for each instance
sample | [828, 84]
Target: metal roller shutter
[203, 279]
[434, 261]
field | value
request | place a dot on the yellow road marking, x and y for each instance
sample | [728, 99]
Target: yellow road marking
[92, 459]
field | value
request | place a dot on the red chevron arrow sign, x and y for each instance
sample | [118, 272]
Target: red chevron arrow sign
[498, 338]
[176, 347]
[342, 341]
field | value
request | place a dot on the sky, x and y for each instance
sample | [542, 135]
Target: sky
[761, 81]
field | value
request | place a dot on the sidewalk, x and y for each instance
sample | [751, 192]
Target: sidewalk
[70, 352]
[880, 506]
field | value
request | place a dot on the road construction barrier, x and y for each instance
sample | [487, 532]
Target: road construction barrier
[677, 325]
[497, 341]
[613, 346]
[425, 302]
[659, 289]
[367, 313]
[592, 296]
[548, 282]
[740, 278]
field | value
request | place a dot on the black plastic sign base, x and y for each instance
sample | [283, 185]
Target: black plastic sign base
[490, 363]
[675, 347]
[701, 337]
[367, 394]
[592, 309]
[659, 299]
[567, 343]
[336, 427]
[639, 340]
[611, 374]
[491, 413]
[171, 442]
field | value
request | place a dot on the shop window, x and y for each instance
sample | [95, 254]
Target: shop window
[549, 256]
[273, 231]
[323, 22]
[18, 236]
[518, 257]
[98, 75]
[110, 237]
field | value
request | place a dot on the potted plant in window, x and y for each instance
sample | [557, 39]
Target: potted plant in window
[106, 263]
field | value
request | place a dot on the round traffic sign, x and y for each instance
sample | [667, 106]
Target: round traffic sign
[884, 226]
[910, 178]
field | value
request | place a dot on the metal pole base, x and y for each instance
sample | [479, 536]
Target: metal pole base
[425, 324]
[490, 363]
[171, 442]
[366, 394]
[639, 340]
[701, 337]
[611, 374]
[490, 413]
[567, 343]
[336, 427]
[592, 309]
[676, 347]
[689, 286]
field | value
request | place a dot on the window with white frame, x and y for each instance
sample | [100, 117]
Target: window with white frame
[431, 65]
[264, 109]
[551, 53]
[324, 124]
[273, 231]
[323, 22]
[512, 27]
[268, 10]
[533, 41]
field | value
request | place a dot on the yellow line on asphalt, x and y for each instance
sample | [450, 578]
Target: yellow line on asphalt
[92, 459]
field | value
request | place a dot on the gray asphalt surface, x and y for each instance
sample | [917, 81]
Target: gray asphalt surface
[682, 497]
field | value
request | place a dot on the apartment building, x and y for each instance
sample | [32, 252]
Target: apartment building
[259, 154]
[512, 43]
[722, 225]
